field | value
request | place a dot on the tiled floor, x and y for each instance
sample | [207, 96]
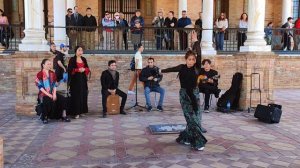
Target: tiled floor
[234, 140]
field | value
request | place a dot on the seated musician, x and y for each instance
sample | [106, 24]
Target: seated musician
[208, 82]
[151, 78]
[110, 84]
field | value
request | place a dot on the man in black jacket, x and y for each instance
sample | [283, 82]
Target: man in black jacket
[77, 20]
[151, 78]
[90, 22]
[110, 84]
[170, 22]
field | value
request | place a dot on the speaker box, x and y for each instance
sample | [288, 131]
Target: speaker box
[268, 114]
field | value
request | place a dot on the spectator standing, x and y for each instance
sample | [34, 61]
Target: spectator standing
[221, 25]
[288, 34]
[59, 63]
[124, 26]
[243, 25]
[77, 20]
[70, 31]
[118, 32]
[108, 24]
[136, 25]
[297, 33]
[158, 22]
[183, 36]
[90, 22]
[138, 67]
[4, 29]
[269, 33]
[198, 25]
[170, 22]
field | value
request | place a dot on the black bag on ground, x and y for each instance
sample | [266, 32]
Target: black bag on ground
[232, 95]
[268, 114]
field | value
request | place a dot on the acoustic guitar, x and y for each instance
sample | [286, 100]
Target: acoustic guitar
[204, 79]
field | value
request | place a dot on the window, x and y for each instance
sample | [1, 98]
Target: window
[296, 9]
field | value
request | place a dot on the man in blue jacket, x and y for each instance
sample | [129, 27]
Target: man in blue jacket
[183, 36]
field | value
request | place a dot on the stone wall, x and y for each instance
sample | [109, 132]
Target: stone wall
[27, 64]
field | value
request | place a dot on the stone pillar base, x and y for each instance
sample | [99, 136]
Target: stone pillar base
[266, 48]
[256, 62]
[34, 47]
[1, 153]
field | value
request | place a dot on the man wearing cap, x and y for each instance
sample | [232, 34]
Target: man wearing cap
[59, 62]
[136, 25]
[108, 24]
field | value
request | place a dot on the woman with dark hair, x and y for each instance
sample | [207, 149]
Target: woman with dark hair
[189, 99]
[4, 34]
[78, 70]
[221, 25]
[243, 25]
[51, 102]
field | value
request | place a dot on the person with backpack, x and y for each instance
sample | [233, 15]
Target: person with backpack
[189, 99]
[136, 66]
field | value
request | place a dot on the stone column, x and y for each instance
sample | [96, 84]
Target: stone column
[207, 23]
[15, 12]
[34, 39]
[1, 153]
[286, 10]
[182, 5]
[59, 10]
[70, 4]
[255, 35]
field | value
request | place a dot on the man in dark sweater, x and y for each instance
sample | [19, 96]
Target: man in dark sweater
[70, 23]
[208, 83]
[89, 21]
[110, 84]
[183, 36]
[151, 78]
[170, 22]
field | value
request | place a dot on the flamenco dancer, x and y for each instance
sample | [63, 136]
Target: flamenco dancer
[189, 99]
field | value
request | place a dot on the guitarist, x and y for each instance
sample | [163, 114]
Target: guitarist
[208, 82]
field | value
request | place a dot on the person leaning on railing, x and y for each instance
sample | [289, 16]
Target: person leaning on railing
[243, 25]
[108, 24]
[221, 25]
[269, 33]
[170, 22]
[158, 22]
[4, 29]
[136, 26]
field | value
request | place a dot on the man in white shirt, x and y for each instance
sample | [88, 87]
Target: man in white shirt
[138, 67]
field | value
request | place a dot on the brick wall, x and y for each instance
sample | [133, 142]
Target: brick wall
[20, 70]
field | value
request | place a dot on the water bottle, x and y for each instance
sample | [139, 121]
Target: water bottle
[228, 106]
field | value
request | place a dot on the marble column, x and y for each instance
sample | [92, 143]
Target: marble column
[71, 4]
[286, 10]
[207, 23]
[59, 10]
[182, 5]
[34, 39]
[255, 35]
[15, 12]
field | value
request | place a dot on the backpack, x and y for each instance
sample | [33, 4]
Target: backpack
[232, 95]
[132, 64]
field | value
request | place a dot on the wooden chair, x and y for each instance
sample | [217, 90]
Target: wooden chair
[113, 104]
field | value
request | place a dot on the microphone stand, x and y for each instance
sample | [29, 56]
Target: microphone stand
[136, 93]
